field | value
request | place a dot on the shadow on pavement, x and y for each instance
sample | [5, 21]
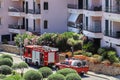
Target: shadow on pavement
[84, 76]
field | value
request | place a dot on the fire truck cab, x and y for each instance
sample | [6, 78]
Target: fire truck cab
[40, 55]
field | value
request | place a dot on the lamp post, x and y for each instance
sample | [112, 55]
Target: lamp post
[20, 43]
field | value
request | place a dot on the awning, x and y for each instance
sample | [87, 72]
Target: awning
[73, 17]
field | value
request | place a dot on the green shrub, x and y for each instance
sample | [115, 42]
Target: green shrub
[66, 71]
[77, 53]
[2, 76]
[14, 77]
[4, 69]
[46, 71]
[89, 54]
[98, 58]
[111, 53]
[101, 50]
[6, 61]
[33, 75]
[73, 76]
[88, 46]
[7, 56]
[112, 56]
[56, 77]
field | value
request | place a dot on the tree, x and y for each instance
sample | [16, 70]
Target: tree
[4, 69]
[20, 66]
[6, 61]
[33, 75]
[72, 42]
[19, 39]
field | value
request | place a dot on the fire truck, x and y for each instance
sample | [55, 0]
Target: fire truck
[40, 55]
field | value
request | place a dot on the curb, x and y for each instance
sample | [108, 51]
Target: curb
[98, 76]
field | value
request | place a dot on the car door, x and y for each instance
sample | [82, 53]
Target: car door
[76, 66]
[62, 65]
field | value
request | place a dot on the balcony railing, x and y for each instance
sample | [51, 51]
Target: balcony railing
[95, 8]
[113, 9]
[95, 29]
[75, 25]
[14, 9]
[113, 34]
[72, 6]
[16, 26]
[36, 11]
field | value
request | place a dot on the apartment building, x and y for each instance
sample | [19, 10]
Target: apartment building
[100, 20]
[37, 16]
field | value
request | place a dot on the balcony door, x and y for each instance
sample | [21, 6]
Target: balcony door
[106, 27]
[80, 4]
[26, 24]
[107, 5]
[97, 26]
[118, 5]
[23, 6]
[26, 7]
[86, 4]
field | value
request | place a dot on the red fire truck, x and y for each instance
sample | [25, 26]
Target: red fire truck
[40, 55]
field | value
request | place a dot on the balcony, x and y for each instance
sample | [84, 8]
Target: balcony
[112, 13]
[36, 11]
[113, 9]
[16, 28]
[73, 8]
[15, 0]
[94, 11]
[14, 11]
[113, 37]
[75, 27]
[93, 31]
[35, 14]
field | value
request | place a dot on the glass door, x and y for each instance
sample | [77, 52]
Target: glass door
[80, 4]
[106, 27]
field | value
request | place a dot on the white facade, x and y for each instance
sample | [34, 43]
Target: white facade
[19, 16]
[101, 20]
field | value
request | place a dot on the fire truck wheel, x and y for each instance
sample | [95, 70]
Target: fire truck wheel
[82, 74]
[57, 68]
[26, 60]
[37, 64]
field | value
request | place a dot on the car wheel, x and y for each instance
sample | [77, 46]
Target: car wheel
[82, 74]
[57, 68]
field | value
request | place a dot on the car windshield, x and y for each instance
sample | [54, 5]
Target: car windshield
[76, 63]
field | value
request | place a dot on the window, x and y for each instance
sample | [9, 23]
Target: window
[45, 24]
[5, 38]
[0, 21]
[86, 22]
[34, 25]
[0, 4]
[45, 5]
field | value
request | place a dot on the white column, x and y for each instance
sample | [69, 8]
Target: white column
[109, 26]
[0, 38]
[112, 28]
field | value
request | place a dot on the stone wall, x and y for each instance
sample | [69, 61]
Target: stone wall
[10, 48]
[104, 69]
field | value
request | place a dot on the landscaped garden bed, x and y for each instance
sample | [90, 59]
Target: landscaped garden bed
[104, 69]
[105, 62]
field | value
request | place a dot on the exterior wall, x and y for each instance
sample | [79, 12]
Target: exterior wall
[4, 17]
[101, 16]
[56, 15]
